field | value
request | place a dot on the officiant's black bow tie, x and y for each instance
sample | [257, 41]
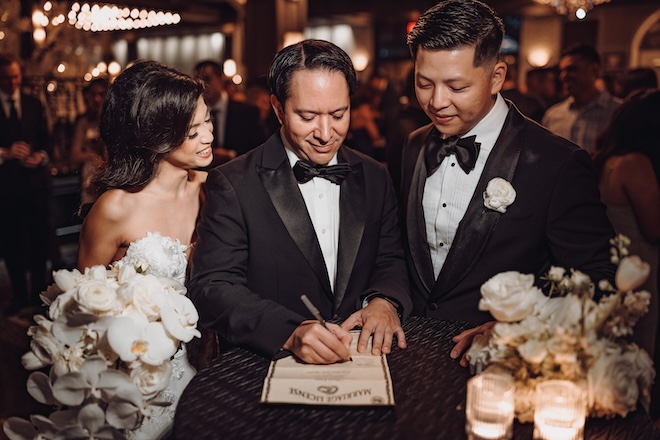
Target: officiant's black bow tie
[305, 172]
[466, 150]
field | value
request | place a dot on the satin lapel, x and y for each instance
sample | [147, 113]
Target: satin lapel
[352, 212]
[280, 184]
[478, 223]
[416, 225]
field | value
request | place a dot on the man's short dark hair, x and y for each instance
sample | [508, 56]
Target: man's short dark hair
[455, 24]
[214, 65]
[7, 59]
[584, 51]
[308, 55]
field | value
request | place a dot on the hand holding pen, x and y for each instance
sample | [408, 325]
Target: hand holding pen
[319, 344]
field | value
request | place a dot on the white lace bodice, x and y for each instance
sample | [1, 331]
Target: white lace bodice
[158, 255]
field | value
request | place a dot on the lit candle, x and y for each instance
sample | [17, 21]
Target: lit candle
[560, 411]
[489, 407]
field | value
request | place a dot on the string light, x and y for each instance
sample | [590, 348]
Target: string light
[97, 17]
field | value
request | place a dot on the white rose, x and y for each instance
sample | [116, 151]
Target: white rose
[67, 280]
[631, 273]
[510, 296]
[151, 379]
[96, 273]
[125, 273]
[96, 296]
[146, 293]
[613, 385]
[499, 195]
[533, 351]
[563, 311]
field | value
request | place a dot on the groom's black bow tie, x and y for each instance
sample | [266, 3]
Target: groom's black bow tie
[466, 150]
[305, 172]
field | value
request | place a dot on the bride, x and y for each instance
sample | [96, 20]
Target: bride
[157, 130]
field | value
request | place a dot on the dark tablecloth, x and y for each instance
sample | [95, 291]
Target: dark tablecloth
[222, 401]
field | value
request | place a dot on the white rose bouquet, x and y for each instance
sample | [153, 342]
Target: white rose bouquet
[109, 338]
[567, 335]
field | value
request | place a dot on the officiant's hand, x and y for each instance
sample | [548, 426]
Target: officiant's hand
[315, 344]
[380, 319]
[464, 340]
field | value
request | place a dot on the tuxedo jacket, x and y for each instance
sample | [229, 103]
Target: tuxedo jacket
[556, 219]
[17, 181]
[257, 251]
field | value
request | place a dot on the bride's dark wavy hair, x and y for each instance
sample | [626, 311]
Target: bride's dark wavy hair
[147, 114]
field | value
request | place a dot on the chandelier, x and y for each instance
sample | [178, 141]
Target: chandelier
[572, 7]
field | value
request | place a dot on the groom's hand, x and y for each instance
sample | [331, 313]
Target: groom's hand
[314, 344]
[464, 340]
[379, 318]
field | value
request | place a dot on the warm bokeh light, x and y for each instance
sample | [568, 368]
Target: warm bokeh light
[538, 57]
[229, 67]
[360, 60]
[39, 35]
[237, 79]
[580, 14]
[114, 68]
[103, 67]
[61, 67]
[51, 86]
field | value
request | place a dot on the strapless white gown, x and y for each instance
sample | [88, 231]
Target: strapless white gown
[164, 257]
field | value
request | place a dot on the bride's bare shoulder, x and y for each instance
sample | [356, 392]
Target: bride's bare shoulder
[114, 204]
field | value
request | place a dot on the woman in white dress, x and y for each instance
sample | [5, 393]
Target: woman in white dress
[157, 130]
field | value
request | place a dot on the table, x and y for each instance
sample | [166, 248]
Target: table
[222, 401]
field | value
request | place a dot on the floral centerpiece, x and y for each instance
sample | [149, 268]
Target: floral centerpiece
[108, 338]
[568, 335]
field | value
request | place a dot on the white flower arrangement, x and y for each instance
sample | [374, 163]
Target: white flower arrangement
[108, 338]
[569, 336]
[499, 195]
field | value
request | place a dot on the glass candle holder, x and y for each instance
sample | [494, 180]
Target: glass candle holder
[560, 411]
[489, 407]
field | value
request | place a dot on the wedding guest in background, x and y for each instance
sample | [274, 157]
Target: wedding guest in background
[157, 130]
[364, 134]
[527, 104]
[486, 190]
[278, 224]
[87, 149]
[542, 83]
[25, 233]
[641, 78]
[257, 94]
[237, 126]
[627, 161]
[587, 111]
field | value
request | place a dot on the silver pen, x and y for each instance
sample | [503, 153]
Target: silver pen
[314, 311]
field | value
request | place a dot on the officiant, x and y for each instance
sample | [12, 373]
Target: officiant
[302, 214]
[487, 190]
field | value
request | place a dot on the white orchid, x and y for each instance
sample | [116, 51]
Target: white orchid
[180, 317]
[135, 338]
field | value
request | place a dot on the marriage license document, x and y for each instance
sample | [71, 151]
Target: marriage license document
[363, 381]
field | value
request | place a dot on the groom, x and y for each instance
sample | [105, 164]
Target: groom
[278, 224]
[454, 241]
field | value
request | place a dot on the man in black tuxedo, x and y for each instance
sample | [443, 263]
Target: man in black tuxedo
[24, 187]
[455, 240]
[278, 224]
[237, 126]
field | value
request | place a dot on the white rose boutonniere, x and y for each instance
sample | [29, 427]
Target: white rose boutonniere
[499, 195]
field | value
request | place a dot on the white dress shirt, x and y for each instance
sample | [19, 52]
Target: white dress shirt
[447, 193]
[322, 200]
